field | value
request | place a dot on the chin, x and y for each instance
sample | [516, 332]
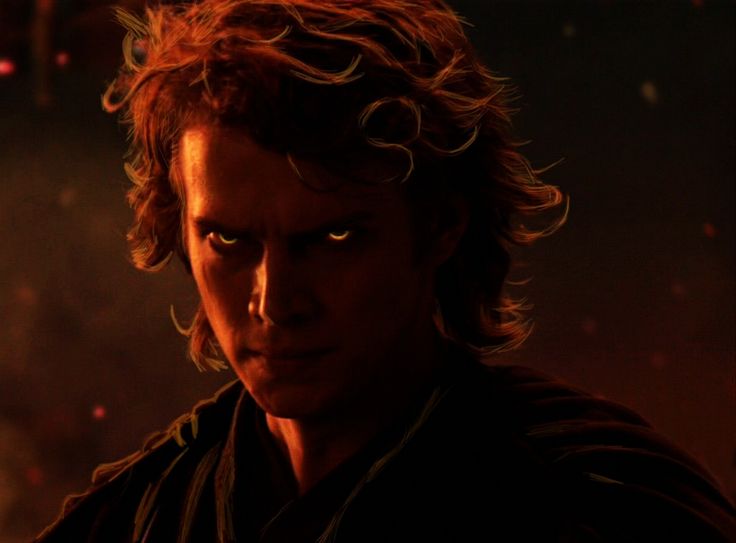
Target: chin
[291, 401]
[291, 390]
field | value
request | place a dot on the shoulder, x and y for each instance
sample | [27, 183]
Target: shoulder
[615, 475]
[119, 487]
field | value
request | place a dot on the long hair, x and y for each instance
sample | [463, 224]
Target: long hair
[343, 83]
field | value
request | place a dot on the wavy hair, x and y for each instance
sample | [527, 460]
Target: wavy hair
[343, 83]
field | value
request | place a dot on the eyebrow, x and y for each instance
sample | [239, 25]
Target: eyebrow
[208, 224]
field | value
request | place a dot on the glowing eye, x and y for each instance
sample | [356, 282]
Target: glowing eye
[339, 235]
[225, 239]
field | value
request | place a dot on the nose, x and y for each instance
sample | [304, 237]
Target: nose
[278, 296]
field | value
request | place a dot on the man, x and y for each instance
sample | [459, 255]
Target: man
[339, 179]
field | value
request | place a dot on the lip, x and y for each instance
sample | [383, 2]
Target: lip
[288, 355]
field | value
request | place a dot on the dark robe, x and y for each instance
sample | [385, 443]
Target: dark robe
[499, 453]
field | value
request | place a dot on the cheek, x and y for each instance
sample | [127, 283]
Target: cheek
[370, 294]
[223, 292]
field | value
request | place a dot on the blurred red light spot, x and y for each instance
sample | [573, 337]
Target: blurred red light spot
[99, 412]
[44, 7]
[34, 476]
[26, 295]
[7, 67]
[678, 289]
[709, 230]
[589, 326]
[698, 3]
[62, 59]
[658, 360]
[67, 196]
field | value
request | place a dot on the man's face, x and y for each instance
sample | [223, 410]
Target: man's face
[312, 295]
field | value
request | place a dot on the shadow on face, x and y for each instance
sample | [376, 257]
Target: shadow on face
[314, 296]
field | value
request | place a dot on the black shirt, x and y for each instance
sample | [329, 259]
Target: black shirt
[490, 454]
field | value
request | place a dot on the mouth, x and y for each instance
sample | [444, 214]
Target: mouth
[287, 356]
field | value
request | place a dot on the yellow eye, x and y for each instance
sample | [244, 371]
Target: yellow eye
[339, 235]
[225, 239]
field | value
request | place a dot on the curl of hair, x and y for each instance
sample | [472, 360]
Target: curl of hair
[343, 83]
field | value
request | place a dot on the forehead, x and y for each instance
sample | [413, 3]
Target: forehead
[231, 179]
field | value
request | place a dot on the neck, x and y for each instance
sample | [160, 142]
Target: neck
[315, 446]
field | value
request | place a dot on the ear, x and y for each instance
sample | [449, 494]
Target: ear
[448, 225]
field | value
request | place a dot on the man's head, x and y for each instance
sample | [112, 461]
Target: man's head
[378, 102]
[316, 297]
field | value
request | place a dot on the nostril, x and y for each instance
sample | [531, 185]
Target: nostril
[258, 313]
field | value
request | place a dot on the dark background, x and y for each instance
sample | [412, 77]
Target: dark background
[634, 297]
